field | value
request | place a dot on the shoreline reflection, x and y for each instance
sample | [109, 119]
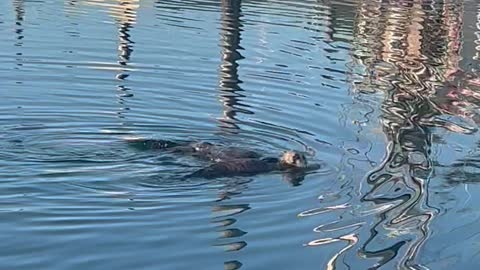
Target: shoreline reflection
[406, 55]
[411, 59]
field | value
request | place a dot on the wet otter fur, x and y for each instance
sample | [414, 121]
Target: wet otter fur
[290, 161]
[228, 161]
[202, 150]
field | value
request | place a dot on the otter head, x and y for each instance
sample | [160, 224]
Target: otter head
[293, 159]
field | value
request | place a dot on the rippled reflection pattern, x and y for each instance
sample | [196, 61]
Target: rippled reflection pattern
[230, 91]
[413, 58]
[409, 52]
[384, 95]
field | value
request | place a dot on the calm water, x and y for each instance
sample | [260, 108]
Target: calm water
[385, 94]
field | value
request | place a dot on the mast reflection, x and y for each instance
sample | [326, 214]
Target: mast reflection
[229, 236]
[229, 82]
[230, 95]
[125, 13]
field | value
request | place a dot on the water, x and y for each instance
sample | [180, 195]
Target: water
[384, 94]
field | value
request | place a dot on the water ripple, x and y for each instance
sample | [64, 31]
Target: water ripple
[383, 95]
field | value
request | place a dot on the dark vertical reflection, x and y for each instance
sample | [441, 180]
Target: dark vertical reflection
[409, 50]
[229, 82]
[19, 18]
[71, 7]
[341, 19]
[230, 96]
[125, 14]
[229, 236]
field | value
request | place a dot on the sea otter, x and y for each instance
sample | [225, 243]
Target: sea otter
[290, 161]
[202, 150]
[229, 161]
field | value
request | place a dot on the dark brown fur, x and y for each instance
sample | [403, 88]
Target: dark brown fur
[229, 161]
[238, 167]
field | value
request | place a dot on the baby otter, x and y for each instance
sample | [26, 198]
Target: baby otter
[229, 161]
[290, 161]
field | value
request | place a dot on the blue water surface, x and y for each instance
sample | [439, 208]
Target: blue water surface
[385, 95]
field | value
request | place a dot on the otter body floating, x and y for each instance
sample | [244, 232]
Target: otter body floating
[228, 161]
[203, 150]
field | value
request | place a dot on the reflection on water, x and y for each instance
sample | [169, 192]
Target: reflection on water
[416, 53]
[229, 84]
[388, 92]
[410, 51]
[465, 170]
[19, 15]
[125, 15]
